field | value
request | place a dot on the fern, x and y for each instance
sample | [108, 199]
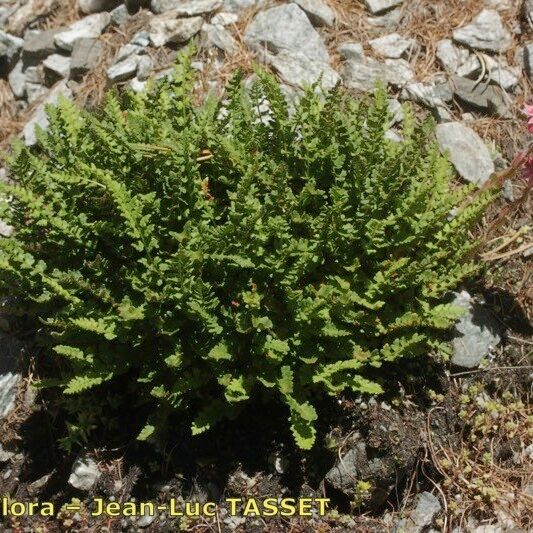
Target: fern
[212, 252]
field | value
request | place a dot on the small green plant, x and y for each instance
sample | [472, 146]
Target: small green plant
[206, 255]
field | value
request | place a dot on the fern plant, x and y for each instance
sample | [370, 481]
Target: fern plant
[211, 252]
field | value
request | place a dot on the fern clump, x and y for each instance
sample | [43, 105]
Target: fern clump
[208, 253]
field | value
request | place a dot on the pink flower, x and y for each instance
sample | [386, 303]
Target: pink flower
[529, 112]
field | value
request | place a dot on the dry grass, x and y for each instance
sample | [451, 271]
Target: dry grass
[63, 15]
[487, 474]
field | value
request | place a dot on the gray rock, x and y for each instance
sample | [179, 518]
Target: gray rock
[17, 80]
[141, 38]
[285, 28]
[355, 465]
[225, 18]
[5, 455]
[389, 21]
[56, 67]
[476, 333]
[351, 51]
[283, 37]
[298, 70]
[35, 91]
[84, 474]
[28, 13]
[95, 6]
[528, 13]
[167, 28]
[236, 6]
[214, 35]
[9, 383]
[319, 13]
[450, 56]
[486, 32]
[363, 74]
[378, 7]
[470, 68]
[426, 510]
[10, 47]
[123, 70]
[480, 96]
[89, 27]
[504, 76]
[10, 354]
[120, 15]
[393, 46]
[527, 60]
[428, 95]
[85, 56]
[186, 8]
[128, 50]
[39, 45]
[468, 153]
[33, 75]
[396, 111]
[145, 520]
[144, 67]
[39, 117]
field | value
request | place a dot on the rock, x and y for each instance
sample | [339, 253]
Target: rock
[39, 45]
[285, 28]
[137, 85]
[186, 8]
[528, 12]
[527, 60]
[504, 76]
[85, 56]
[429, 95]
[145, 520]
[398, 72]
[144, 68]
[141, 38]
[377, 7]
[35, 91]
[10, 352]
[470, 68]
[167, 29]
[426, 510]
[393, 46]
[213, 35]
[225, 19]
[396, 111]
[95, 6]
[5, 455]
[85, 474]
[363, 74]
[389, 21]
[10, 47]
[298, 70]
[468, 153]
[39, 117]
[351, 51]
[9, 383]
[450, 56]
[128, 50]
[28, 13]
[120, 15]
[480, 97]
[56, 67]
[236, 6]
[476, 333]
[284, 37]
[17, 80]
[123, 70]
[319, 13]
[486, 32]
[89, 27]
[355, 465]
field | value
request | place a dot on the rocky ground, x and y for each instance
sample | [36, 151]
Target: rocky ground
[456, 457]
